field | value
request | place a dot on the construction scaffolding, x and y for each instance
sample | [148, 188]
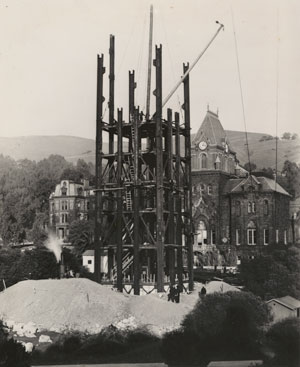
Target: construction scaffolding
[143, 232]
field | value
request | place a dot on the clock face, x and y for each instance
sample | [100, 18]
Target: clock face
[202, 145]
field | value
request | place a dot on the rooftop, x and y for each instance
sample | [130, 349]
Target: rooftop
[287, 301]
[211, 129]
[235, 185]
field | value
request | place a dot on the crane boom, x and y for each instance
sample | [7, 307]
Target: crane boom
[192, 66]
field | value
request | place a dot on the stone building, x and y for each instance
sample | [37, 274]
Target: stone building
[68, 202]
[234, 214]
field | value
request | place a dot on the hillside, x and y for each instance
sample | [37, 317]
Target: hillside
[262, 153]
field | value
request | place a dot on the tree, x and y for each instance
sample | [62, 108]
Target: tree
[80, 235]
[294, 136]
[274, 274]
[283, 338]
[221, 326]
[286, 136]
[291, 178]
[36, 264]
[252, 165]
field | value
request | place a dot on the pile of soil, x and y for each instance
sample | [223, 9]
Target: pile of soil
[86, 306]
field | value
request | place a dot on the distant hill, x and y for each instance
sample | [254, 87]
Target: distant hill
[262, 153]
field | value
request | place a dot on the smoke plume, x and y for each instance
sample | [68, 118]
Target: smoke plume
[55, 245]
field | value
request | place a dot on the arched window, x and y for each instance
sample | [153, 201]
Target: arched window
[251, 233]
[201, 234]
[238, 208]
[253, 207]
[249, 207]
[266, 207]
[203, 160]
[195, 162]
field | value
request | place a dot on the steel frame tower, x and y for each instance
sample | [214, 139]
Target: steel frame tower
[143, 219]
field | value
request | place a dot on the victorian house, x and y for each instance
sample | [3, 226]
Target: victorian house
[68, 202]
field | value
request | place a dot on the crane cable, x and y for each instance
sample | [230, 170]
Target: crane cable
[241, 93]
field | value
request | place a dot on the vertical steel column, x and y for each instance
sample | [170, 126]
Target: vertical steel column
[119, 203]
[188, 176]
[111, 103]
[136, 206]
[132, 86]
[171, 254]
[159, 172]
[178, 205]
[99, 181]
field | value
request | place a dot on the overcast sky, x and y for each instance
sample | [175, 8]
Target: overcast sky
[48, 55]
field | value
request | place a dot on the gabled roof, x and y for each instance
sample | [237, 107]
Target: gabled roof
[236, 185]
[211, 129]
[288, 301]
[89, 253]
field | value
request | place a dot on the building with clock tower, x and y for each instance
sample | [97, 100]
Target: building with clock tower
[219, 185]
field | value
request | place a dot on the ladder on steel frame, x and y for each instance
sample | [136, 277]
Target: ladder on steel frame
[128, 200]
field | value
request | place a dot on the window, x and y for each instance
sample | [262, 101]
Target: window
[195, 162]
[285, 237]
[226, 164]
[266, 207]
[203, 160]
[209, 189]
[89, 262]
[201, 189]
[251, 207]
[201, 235]
[64, 191]
[238, 237]
[266, 236]
[277, 235]
[238, 208]
[213, 237]
[251, 236]
[64, 205]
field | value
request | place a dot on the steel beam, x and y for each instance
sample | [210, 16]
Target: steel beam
[99, 183]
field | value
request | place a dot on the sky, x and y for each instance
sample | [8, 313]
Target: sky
[48, 60]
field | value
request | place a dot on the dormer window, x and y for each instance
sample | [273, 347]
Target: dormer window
[64, 191]
[79, 191]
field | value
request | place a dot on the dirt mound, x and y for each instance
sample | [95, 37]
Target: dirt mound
[83, 305]
[78, 304]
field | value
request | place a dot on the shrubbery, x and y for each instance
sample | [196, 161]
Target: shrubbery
[283, 339]
[110, 344]
[12, 353]
[221, 326]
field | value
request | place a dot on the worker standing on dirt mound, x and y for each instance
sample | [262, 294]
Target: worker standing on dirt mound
[177, 294]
